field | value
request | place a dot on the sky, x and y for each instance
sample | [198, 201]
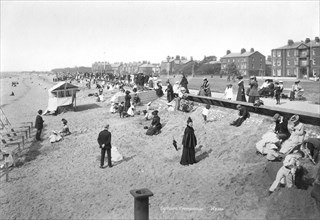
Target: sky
[42, 35]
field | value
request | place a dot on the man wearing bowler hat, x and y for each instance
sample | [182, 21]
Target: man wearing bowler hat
[104, 140]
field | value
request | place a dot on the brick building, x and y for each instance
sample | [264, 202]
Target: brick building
[297, 59]
[248, 63]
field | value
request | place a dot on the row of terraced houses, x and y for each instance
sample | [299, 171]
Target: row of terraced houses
[296, 59]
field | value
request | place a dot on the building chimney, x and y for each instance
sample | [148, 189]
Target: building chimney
[228, 51]
[307, 40]
[252, 50]
[290, 42]
[317, 39]
[243, 50]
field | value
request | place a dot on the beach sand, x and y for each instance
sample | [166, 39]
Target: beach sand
[63, 180]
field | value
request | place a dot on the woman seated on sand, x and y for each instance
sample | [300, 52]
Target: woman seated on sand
[156, 126]
[65, 130]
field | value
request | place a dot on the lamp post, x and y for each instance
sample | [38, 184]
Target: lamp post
[169, 65]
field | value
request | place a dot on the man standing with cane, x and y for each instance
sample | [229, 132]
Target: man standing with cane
[104, 140]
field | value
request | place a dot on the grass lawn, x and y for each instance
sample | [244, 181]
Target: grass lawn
[217, 84]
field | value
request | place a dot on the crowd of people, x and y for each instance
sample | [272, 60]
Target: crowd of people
[287, 142]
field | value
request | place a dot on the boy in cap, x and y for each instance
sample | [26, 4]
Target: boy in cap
[104, 141]
[277, 92]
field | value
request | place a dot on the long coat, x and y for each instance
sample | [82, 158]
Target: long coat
[169, 91]
[104, 138]
[253, 88]
[127, 104]
[39, 122]
[241, 96]
[184, 83]
[189, 143]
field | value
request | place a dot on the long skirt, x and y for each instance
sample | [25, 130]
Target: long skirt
[252, 99]
[188, 156]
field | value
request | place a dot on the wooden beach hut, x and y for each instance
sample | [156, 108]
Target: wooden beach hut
[62, 97]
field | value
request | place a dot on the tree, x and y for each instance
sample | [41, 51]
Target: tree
[232, 69]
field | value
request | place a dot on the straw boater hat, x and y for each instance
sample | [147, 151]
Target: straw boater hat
[294, 118]
[276, 117]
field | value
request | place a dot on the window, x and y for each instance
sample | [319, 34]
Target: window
[252, 59]
[295, 71]
[252, 66]
[274, 54]
[274, 63]
[260, 65]
[274, 72]
[314, 62]
[278, 62]
[288, 72]
[288, 53]
[296, 61]
[260, 59]
[313, 52]
[279, 53]
[279, 72]
[288, 62]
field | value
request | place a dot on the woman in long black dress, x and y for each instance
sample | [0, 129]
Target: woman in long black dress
[189, 142]
[127, 100]
[241, 96]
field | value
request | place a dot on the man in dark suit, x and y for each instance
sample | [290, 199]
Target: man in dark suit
[104, 140]
[39, 125]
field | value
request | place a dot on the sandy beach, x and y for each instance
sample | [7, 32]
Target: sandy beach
[63, 180]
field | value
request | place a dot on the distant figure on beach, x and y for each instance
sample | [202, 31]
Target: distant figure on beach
[159, 91]
[12, 94]
[121, 110]
[127, 101]
[228, 92]
[253, 93]
[296, 91]
[243, 115]
[104, 141]
[65, 130]
[39, 125]
[189, 142]
[184, 83]
[169, 91]
[205, 112]
[205, 88]
[241, 96]
[277, 92]
[156, 126]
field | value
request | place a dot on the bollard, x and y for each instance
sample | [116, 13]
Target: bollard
[141, 203]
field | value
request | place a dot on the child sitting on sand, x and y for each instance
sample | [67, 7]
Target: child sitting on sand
[205, 112]
[65, 130]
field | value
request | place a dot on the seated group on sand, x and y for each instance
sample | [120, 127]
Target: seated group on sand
[288, 142]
